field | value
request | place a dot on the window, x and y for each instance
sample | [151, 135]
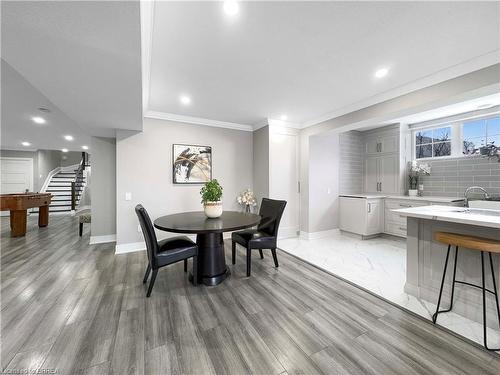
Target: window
[431, 143]
[479, 133]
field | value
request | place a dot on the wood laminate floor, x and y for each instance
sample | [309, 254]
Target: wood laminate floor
[80, 309]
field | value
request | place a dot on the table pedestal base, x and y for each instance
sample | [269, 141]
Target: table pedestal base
[212, 269]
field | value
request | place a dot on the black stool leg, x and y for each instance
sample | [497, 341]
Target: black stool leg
[261, 254]
[494, 286]
[485, 328]
[185, 265]
[434, 317]
[81, 229]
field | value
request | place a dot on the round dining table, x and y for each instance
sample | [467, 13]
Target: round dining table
[212, 269]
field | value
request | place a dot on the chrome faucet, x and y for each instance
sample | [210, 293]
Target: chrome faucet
[486, 195]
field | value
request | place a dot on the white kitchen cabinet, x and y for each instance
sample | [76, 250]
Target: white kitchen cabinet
[381, 144]
[371, 174]
[382, 174]
[395, 223]
[389, 174]
[363, 216]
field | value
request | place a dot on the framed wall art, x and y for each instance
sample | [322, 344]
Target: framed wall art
[192, 164]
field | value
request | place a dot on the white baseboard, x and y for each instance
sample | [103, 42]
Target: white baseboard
[317, 235]
[130, 247]
[287, 232]
[102, 239]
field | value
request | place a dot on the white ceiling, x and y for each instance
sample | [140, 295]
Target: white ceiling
[84, 57]
[20, 104]
[309, 59]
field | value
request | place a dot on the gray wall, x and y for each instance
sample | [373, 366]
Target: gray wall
[351, 162]
[28, 155]
[324, 182]
[48, 160]
[103, 206]
[70, 158]
[451, 177]
[261, 163]
[144, 168]
[482, 82]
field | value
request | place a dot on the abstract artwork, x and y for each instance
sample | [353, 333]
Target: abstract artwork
[192, 164]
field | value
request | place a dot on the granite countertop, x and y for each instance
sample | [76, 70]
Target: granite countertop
[406, 197]
[463, 215]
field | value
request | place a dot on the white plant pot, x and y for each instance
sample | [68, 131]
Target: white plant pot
[412, 192]
[213, 209]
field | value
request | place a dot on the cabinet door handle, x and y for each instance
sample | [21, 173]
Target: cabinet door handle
[369, 207]
[380, 186]
[404, 205]
[402, 228]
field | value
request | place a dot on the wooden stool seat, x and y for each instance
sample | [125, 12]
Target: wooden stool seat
[469, 242]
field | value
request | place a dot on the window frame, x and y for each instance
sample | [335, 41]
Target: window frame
[456, 137]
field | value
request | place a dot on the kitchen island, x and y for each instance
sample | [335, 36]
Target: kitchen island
[425, 257]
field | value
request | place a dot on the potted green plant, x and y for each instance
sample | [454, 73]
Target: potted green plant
[211, 194]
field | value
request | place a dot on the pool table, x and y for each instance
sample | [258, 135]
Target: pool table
[18, 204]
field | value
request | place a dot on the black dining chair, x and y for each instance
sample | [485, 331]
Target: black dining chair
[165, 252]
[266, 234]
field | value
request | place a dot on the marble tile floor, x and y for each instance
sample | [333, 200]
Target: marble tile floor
[379, 265]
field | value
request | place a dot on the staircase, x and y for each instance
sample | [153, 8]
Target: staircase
[60, 187]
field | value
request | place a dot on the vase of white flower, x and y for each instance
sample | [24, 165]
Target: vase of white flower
[415, 171]
[247, 200]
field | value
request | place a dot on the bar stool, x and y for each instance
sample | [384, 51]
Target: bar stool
[474, 243]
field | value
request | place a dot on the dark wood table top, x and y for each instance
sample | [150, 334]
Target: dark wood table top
[197, 222]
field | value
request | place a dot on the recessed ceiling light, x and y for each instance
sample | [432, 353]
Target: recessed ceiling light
[185, 99]
[38, 120]
[283, 117]
[231, 8]
[85, 147]
[68, 137]
[64, 150]
[382, 72]
[26, 144]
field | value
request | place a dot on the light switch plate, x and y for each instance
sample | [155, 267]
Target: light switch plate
[128, 196]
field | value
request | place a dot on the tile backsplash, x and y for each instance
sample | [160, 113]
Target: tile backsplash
[351, 162]
[450, 177]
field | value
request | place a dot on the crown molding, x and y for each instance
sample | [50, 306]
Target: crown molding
[455, 71]
[197, 121]
[261, 124]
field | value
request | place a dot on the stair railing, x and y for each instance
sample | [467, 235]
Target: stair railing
[78, 180]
